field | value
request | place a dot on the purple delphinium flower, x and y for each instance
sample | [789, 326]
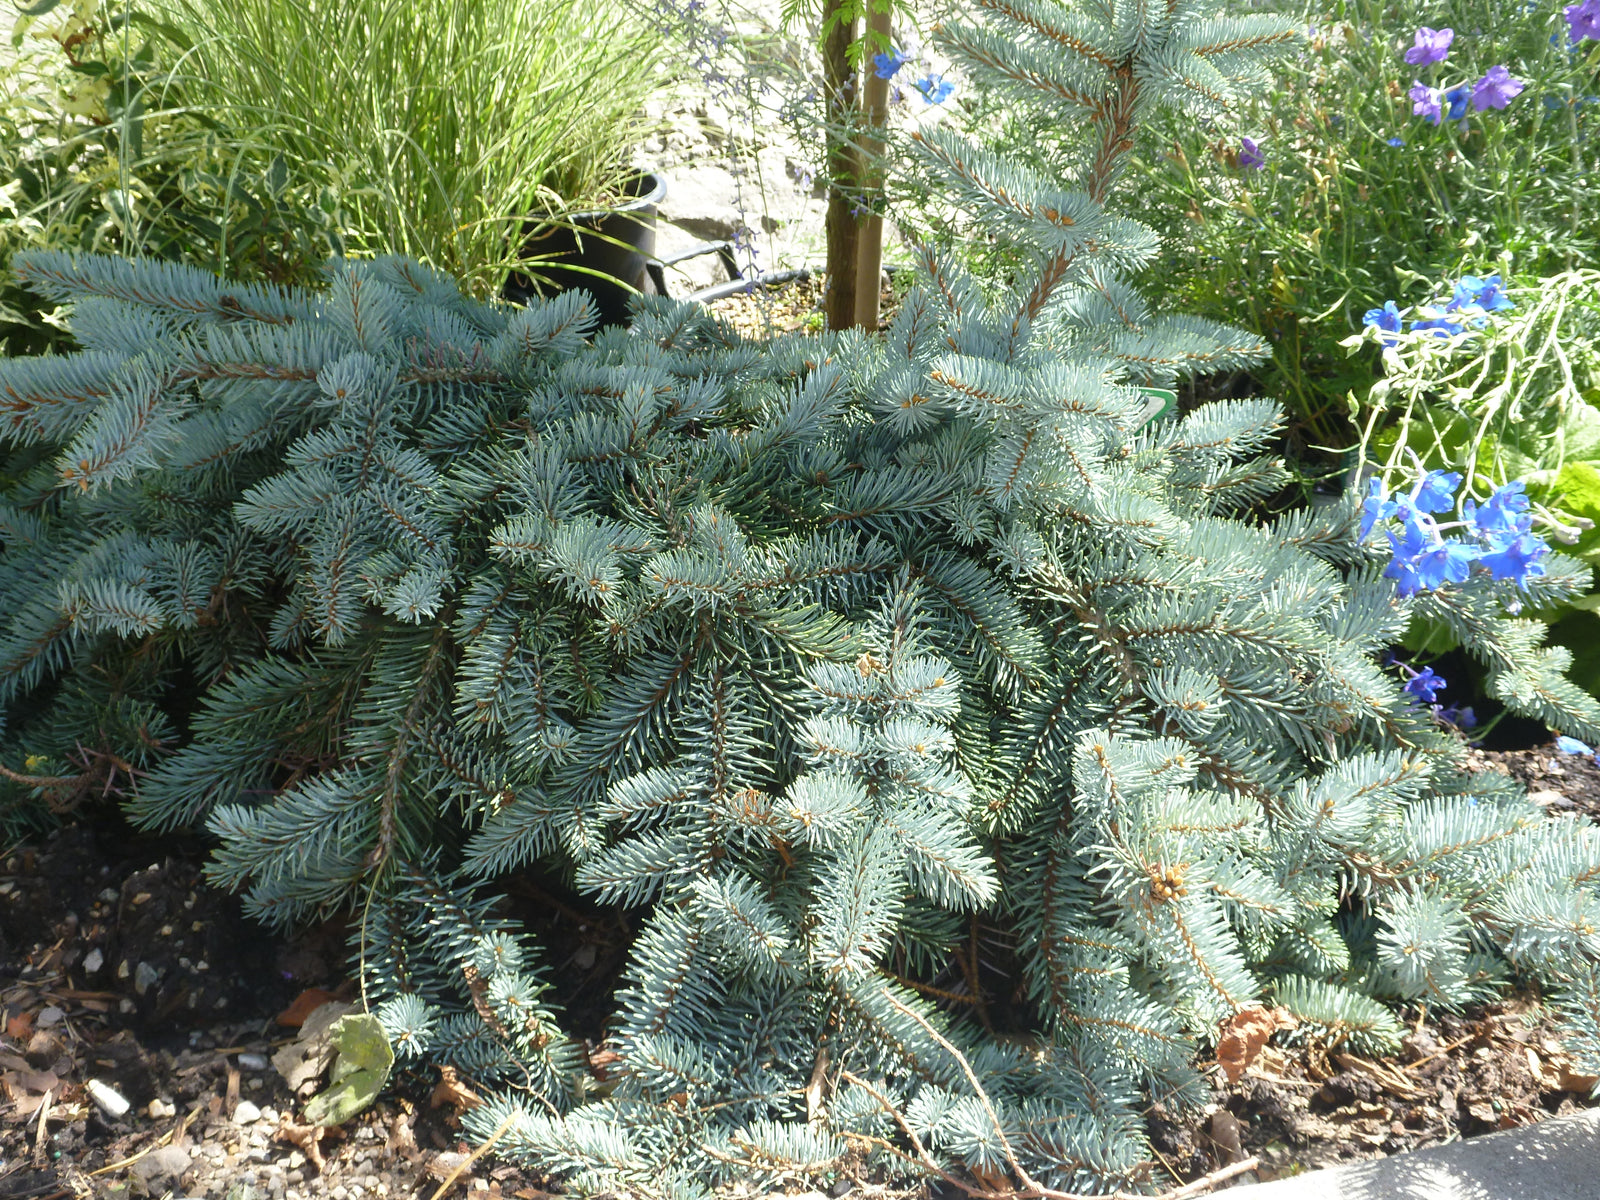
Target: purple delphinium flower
[1250, 156]
[1437, 326]
[1495, 90]
[1458, 98]
[1426, 101]
[1432, 45]
[1583, 20]
[1386, 320]
[935, 89]
[1425, 685]
[884, 66]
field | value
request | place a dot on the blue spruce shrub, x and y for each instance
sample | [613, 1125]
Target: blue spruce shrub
[834, 657]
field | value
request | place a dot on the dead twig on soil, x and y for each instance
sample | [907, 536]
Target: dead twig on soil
[467, 1162]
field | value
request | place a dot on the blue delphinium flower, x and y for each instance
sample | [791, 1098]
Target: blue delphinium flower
[1424, 685]
[1376, 506]
[1385, 319]
[1250, 156]
[1395, 141]
[1461, 716]
[1458, 98]
[1432, 45]
[1437, 326]
[1571, 745]
[1496, 89]
[1503, 515]
[1518, 559]
[1487, 293]
[1437, 491]
[1422, 559]
[884, 66]
[935, 89]
[1426, 101]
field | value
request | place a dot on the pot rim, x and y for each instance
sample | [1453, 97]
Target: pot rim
[652, 191]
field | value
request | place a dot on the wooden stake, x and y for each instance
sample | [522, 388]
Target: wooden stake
[869, 246]
[842, 85]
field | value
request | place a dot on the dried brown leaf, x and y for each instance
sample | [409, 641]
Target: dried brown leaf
[1243, 1035]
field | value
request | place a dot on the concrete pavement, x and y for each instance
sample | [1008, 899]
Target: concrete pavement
[1558, 1159]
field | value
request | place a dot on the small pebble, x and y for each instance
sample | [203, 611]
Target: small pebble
[94, 960]
[110, 1101]
[48, 1016]
[145, 977]
[159, 1108]
[253, 1062]
[246, 1113]
[270, 1116]
[110, 895]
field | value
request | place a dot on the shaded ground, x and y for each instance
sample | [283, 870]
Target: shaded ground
[118, 966]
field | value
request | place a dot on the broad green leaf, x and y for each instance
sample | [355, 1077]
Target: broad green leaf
[359, 1072]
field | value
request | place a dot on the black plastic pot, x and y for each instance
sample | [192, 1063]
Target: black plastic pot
[617, 243]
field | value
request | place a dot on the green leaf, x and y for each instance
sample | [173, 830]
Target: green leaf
[359, 1072]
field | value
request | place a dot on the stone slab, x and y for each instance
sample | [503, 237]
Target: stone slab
[1558, 1159]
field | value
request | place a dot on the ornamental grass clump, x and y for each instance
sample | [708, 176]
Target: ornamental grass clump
[442, 127]
[967, 748]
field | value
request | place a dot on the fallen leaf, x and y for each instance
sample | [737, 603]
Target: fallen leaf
[402, 1140]
[307, 1137]
[303, 1061]
[816, 1088]
[1223, 1130]
[360, 1069]
[600, 1062]
[1568, 1082]
[450, 1090]
[1244, 1034]
[20, 1027]
[306, 1003]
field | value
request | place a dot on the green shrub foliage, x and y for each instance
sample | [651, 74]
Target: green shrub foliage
[831, 657]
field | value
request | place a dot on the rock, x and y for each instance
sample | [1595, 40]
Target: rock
[145, 977]
[1419, 1045]
[168, 1163]
[107, 1098]
[1546, 798]
[93, 961]
[48, 1016]
[702, 200]
[253, 1062]
[246, 1113]
[160, 1109]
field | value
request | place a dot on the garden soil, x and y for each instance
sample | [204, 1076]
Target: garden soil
[141, 1012]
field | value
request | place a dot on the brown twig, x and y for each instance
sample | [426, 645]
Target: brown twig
[1440, 1052]
[474, 1156]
